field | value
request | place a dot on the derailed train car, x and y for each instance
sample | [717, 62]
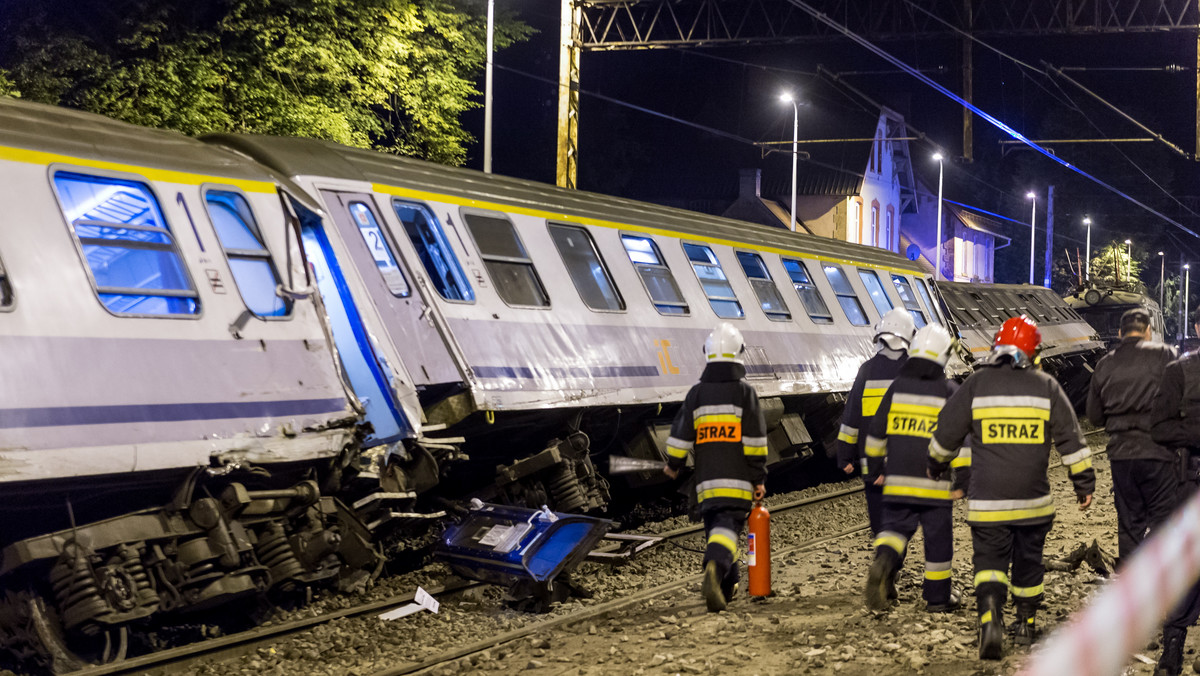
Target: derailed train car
[1070, 346]
[1102, 307]
[531, 316]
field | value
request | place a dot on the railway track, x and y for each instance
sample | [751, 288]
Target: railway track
[247, 642]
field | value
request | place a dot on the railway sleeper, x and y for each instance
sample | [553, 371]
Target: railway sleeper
[74, 594]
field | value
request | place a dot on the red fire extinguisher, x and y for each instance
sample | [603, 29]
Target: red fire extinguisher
[759, 556]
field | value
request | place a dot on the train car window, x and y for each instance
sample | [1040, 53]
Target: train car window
[586, 268]
[875, 290]
[764, 287]
[809, 294]
[380, 249]
[506, 261]
[910, 301]
[846, 296]
[254, 273]
[128, 247]
[712, 278]
[435, 253]
[657, 277]
[923, 291]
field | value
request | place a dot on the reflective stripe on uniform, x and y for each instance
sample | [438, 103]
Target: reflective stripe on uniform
[875, 447]
[863, 465]
[1078, 461]
[938, 570]
[985, 618]
[716, 418]
[754, 445]
[1028, 592]
[848, 434]
[921, 404]
[678, 448]
[1009, 510]
[985, 576]
[939, 452]
[963, 459]
[916, 487]
[1080, 466]
[724, 537]
[891, 539]
[1008, 406]
[724, 488]
[723, 409]
[873, 391]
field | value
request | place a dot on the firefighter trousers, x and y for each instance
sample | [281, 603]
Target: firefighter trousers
[997, 546]
[900, 521]
[1145, 493]
[874, 495]
[722, 530]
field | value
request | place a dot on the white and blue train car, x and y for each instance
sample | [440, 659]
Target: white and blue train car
[526, 312]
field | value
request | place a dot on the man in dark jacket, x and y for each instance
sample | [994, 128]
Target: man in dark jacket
[1012, 412]
[1124, 387]
[892, 334]
[1176, 425]
[897, 451]
[721, 423]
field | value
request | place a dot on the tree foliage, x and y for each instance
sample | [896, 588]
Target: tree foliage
[1112, 266]
[390, 74]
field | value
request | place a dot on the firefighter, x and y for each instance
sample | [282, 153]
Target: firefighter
[892, 334]
[897, 450]
[721, 424]
[1012, 412]
[1176, 424]
[1120, 398]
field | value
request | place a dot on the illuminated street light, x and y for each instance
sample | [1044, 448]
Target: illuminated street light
[1087, 275]
[1162, 277]
[937, 244]
[1032, 240]
[1187, 290]
[787, 97]
[1128, 261]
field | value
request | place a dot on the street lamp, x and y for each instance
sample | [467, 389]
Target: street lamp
[487, 96]
[937, 244]
[1128, 262]
[1032, 228]
[1187, 290]
[786, 97]
[1088, 264]
[1162, 276]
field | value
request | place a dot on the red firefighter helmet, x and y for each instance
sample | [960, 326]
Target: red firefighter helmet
[1020, 332]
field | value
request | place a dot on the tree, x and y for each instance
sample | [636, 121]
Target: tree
[1111, 266]
[390, 74]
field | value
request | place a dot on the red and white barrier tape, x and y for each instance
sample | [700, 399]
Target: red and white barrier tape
[1125, 615]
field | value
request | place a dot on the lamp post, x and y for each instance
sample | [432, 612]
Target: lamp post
[1187, 289]
[1032, 228]
[937, 243]
[487, 95]
[1162, 278]
[1128, 261]
[786, 97]
[1087, 275]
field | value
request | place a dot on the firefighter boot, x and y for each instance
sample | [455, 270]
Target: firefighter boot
[729, 585]
[714, 598]
[1024, 629]
[1171, 661]
[880, 581]
[991, 629]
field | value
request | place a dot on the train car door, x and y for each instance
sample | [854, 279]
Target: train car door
[368, 374]
[405, 312]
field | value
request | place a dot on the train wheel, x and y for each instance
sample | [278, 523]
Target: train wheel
[65, 656]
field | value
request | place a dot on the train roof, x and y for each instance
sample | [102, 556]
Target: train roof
[35, 132]
[310, 157]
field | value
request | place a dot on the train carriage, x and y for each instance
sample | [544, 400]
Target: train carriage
[532, 311]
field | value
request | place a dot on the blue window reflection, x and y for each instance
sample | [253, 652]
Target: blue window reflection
[253, 271]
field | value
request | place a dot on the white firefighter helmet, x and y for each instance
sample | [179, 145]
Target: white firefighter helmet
[895, 329]
[931, 342]
[724, 344]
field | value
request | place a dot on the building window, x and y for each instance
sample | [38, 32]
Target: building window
[586, 268]
[435, 253]
[504, 256]
[764, 287]
[873, 234]
[875, 290]
[809, 294]
[923, 291]
[253, 270]
[713, 280]
[846, 296]
[657, 277]
[854, 221]
[910, 301]
[133, 259]
[889, 228]
[381, 251]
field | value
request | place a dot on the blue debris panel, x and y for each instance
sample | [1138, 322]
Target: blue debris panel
[506, 545]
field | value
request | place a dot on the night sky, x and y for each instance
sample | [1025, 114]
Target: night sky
[735, 90]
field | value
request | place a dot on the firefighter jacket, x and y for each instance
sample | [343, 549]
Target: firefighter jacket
[1176, 414]
[1121, 398]
[897, 443]
[873, 380]
[1012, 415]
[721, 423]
